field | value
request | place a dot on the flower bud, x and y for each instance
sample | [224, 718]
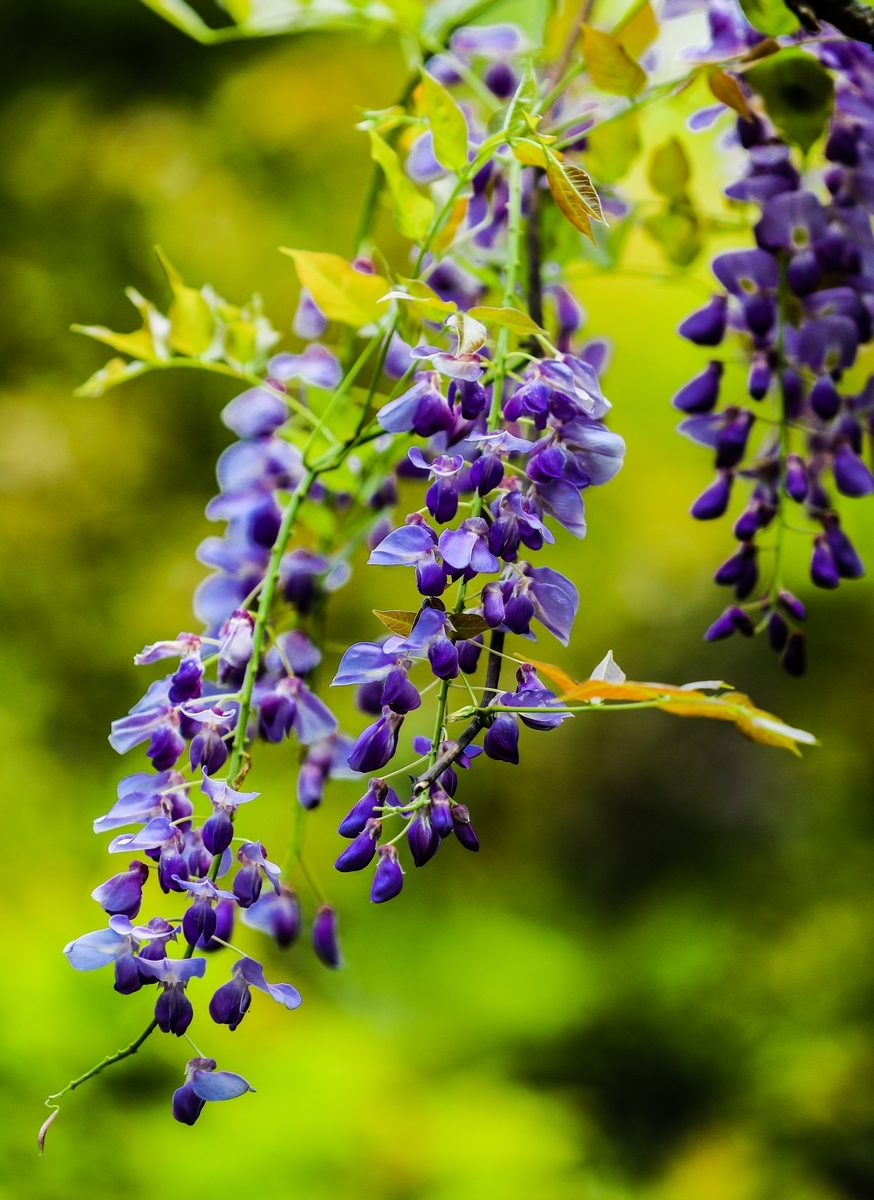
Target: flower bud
[823, 570]
[714, 500]
[700, 394]
[796, 478]
[423, 839]
[778, 632]
[463, 829]
[359, 854]
[824, 398]
[325, 943]
[389, 878]
[794, 660]
[706, 327]
[502, 739]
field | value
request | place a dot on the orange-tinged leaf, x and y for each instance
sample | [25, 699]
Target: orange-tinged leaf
[728, 91]
[574, 195]
[556, 674]
[443, 240]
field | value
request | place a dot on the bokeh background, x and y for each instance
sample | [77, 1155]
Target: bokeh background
[657, 978]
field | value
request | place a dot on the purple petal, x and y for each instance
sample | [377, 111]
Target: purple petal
[219, 1085]
[402, 547]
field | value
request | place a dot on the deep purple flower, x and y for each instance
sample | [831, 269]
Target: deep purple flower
[852, 477]
[123, 893]
[733, 620]
[847, 561]
[388, 878]
[253, 865]
[467, 548]
[740, 571]
[701, 393]
[502, 739]
[706, 327]
[377, 796]
[375, 746]
[422, 837]
[276, 915]
[796, 478]
[462, 827]
[714, 500]
[231, 1002]
[422, 409]
[794, 659]
[202, 1083]
[823, 569]
[199, 921]
[225, 915]
[219, 828]
[325, 943]
[173, 1010]
[360, 853]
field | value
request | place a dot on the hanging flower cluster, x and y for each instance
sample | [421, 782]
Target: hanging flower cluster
[496, 409]
[800, 304]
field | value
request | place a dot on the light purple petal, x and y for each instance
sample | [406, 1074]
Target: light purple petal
[156, 833]
[364, 662]
[556, 601]
[219, 1085]
[94, 950]
[403, 546]
[312, 718]
[564, 502]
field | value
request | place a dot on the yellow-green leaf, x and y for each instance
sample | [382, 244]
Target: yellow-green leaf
[397, 620]
[573, 193]
[192, 323]
[424, 299]
[638, 30]
[342, 293]
[116, 371]
[510, 318]
[448, 124]
[413, 211]
[669, 170]
[531, 153]
[609, 64]
[728, 91]
[138, 344]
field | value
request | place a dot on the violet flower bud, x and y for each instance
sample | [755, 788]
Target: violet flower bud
[700, 394]
[376, 745]
[847, 561]
[236, 649]
[474, 398]
[469, 650]
[733, 620]
[378, 795]
[852, 477]
[759, 379]
[793, 606]
[443, 657]
[225, 913]
[823, 569]
[389, 877]
[794, 660]
[357, 856]
[714, 500]
[493, 603]
[463, 829]
[740, 570]
[824, 398]
[422, 837]
[795, 479]
[731, 440]
[778, 632]
[706, 327]
[165, 747]
[441, 813]
[325, 943]
[502, 739]
[123, 893]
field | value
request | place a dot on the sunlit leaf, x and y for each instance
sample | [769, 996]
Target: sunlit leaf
[137, 345]
[523, 102]
[572, 191]
[798, 93]
[531, 153]
[182, 16]
[556, 674]
[638, 29]
[468, 625]
[448, 124]
[342, 293]
[609, 64]
[413, 211]
[669, 170]
[509, 318]
[424, 300]
[770, 16]
[192, 323]
[727, 89]
[397, 620]
[115, 372]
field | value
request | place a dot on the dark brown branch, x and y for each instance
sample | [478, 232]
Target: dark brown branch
[850, 17]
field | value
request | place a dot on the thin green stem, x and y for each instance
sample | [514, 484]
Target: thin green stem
[109, 1061]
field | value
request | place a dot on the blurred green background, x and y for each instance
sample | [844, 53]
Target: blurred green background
[657, 978]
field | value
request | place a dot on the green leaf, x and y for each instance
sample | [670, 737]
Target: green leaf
[798, 93]
[138, 344]
[183, 17]
[609, 64]
[413, 211]
[397, 620]
[468, 625]
[524, 101]
[727, 90]
[424, 300]
[669, 170]
[770, 16]
[116, 371]
[573, 193]
[342, 293]
[509, 318]
[192, 323]
[448, 124]
[613, 148]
